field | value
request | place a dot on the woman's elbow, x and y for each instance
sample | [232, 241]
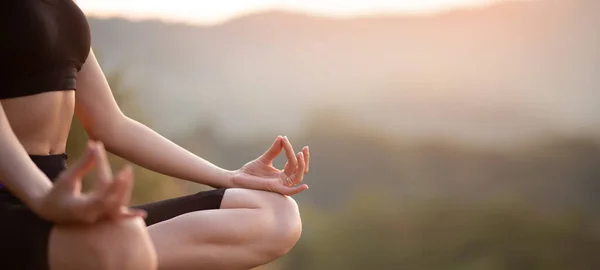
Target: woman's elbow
[105, 131]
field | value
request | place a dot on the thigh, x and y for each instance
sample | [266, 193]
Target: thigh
[111, 244]
[234, 236]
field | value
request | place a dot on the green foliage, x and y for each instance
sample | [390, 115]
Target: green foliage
[445, 235]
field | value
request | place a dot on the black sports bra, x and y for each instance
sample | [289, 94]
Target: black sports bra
[43, 44]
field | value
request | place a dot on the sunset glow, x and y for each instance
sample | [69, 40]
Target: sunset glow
[210, 12]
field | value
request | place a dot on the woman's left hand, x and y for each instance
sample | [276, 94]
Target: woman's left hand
[261, 175]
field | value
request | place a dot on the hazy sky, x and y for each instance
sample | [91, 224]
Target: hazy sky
[214, 11]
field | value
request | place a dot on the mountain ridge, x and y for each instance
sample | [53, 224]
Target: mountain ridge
[414, 75]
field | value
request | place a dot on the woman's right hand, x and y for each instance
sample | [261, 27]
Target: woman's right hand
[65, 203]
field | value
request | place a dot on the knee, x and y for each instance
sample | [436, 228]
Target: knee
[280, 225]
[125, 244]
[285, 226]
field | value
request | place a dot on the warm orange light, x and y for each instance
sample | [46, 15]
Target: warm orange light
[218, 11]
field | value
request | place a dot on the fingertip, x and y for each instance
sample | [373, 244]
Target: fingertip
[126, 212]
[91, 149]
[128, 170]
[297, 189]
[123, 179]
[100, 150]
[100, 147]
[278, 140]
[138, 212]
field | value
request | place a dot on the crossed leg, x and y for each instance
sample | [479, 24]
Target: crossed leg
[251, 228]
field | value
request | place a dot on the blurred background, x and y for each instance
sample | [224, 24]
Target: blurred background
[449, 134]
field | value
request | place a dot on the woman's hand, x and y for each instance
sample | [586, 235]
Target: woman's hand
[65, 203]
[260, 173]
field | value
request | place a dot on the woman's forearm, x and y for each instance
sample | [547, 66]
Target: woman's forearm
[18, 173]
[139, 144]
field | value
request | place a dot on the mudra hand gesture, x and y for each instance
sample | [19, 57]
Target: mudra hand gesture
[108, 198]
[261, 175]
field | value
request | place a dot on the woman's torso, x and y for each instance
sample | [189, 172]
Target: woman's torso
[44, 45]
[41, 122]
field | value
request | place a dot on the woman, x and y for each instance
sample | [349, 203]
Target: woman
[48, 73]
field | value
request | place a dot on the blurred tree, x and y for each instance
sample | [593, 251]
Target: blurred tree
[443, 235]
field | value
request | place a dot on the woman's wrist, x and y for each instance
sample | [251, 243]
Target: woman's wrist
[212, 176]
[37, 193]
[31, 187]
[225, 178]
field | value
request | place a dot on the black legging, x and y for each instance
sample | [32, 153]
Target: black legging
[24, 236]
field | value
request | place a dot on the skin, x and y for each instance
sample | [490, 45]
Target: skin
[257, 223]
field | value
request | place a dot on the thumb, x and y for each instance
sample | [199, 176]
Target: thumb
[291, 190]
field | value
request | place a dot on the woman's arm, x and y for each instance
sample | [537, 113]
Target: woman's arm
[18, 173]
[102, 119]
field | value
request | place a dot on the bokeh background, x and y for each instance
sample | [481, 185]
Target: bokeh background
[465, 138]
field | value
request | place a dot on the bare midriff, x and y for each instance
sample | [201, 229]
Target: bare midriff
[41, 122]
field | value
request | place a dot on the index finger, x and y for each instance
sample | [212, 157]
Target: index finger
[103, 170]
[83, 165]
[273, 151]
